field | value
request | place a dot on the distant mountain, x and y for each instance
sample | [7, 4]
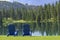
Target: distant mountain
[8, 5]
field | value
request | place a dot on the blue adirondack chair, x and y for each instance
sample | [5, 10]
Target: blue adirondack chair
[11, 30]
[26, 30]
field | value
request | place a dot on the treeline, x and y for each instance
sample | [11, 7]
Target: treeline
[46, 13]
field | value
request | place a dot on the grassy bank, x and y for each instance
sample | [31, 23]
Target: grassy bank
[30, 38]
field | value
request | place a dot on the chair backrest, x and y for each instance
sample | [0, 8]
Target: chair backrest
[11, 28]
[26, 27]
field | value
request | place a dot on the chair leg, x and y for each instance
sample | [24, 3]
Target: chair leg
[7, 35]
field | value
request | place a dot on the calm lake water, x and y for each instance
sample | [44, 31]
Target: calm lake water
[38, 29]
[44, 29]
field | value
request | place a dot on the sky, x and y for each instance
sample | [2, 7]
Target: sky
[34, 2]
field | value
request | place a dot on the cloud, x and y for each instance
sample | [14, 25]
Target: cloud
[4, 0]
[8, 0]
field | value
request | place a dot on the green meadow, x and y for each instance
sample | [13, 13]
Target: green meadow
[30, 38]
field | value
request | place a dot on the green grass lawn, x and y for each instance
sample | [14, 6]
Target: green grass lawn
[30, 38]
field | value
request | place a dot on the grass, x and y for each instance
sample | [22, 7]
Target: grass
[30, 38]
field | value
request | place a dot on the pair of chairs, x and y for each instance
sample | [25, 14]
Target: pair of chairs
[12, 31]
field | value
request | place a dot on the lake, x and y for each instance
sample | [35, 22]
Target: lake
[38, 29]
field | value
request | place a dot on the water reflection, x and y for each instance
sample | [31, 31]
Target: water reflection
[45, 29]
[37, 33]
[38, 29]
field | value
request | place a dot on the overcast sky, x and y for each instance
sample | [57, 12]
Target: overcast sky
[34, 2]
